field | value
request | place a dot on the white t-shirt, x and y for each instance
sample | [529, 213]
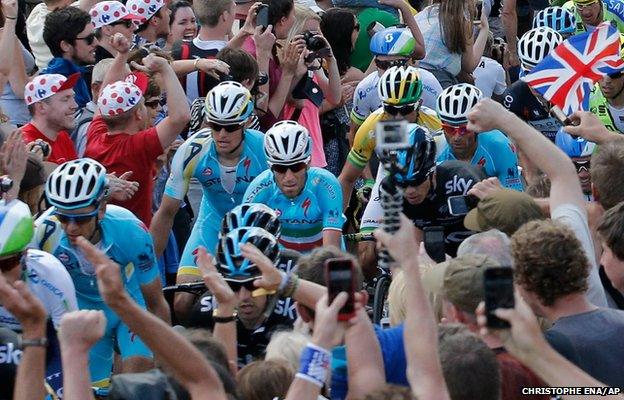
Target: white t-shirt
[366, 100]
[490, 77]
[618, 117]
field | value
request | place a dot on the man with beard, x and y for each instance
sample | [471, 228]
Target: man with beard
[50, 100]
[69, 34]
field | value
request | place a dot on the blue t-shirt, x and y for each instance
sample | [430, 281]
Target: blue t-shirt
[496, 154]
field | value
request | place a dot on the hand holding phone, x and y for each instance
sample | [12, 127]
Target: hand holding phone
[262, 16]
[340, 277]
[434, 243]
[499, 293]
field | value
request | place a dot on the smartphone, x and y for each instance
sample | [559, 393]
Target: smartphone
[374, 27]
[499, 293]
[434, 243]
[558, 114]
[262, 16]
[461, 205]
[479, 10]
[391, 135]
[340, 277]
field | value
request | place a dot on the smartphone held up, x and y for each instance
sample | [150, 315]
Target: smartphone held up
[340, 277]
[499, 293]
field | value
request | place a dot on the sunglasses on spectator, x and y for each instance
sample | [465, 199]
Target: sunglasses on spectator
[237, 286]
[153, 103]
[582, 165]
[79, 219]
[228, 128]
[89, 39]
[389, 64]
[282, 169]
[403, 110]
[455, 130]
[615, 75]
[128, 23]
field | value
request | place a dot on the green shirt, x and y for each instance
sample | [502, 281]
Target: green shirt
[362, 56]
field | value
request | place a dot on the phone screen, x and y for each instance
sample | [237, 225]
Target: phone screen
[434, 243]
[262, 18]
[339, 272]
[457, 205]
[499, 293]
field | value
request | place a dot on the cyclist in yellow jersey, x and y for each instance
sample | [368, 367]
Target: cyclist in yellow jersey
[399, 89]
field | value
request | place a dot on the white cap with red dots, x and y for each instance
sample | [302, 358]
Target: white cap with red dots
[145, 8]
[108, 12]
[119, 97]
[47, 85]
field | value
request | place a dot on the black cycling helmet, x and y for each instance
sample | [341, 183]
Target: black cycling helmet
[417, 161]
[249, 215]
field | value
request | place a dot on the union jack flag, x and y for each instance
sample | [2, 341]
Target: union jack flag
[565, 77]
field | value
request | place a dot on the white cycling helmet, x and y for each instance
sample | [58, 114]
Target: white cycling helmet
[536, 44]
[455, 102]
[76, 184]
[229, 103]
[560, 19]
[399, 86]
[287, 143]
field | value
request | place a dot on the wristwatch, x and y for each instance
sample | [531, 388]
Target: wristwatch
[223, 320]
[23, 343]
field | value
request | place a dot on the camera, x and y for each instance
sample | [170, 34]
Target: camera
[391, 136]
[6, 183]
[313, 42]
[44, 146]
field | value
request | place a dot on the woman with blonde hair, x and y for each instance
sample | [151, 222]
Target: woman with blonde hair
[287, 346]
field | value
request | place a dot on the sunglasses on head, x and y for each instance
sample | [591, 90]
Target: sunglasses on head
[282, 169]
[128, 23]
[582, 165]
[228, 128]
[389, 64]
[89, 39]
[76, 218]
[403, 110]
[455, 130]
[237, 286]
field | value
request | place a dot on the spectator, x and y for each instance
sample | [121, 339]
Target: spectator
[287, 346]
[182, 23]
[50, 100]
[551, 271]
[612, 259]
[367, 18]
[264, 380]
[492, 242]
[605, 170]
[109, 18]
[69, 35]
[451, 53]
[154, 17]
[490, 76]
[579, 151]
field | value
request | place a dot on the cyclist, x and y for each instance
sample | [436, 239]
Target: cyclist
[590, 13]
[523, 101]
[400, 90]
[607, 98]
[45, 276]
[255, 319]
[225, 158]
[492, 150]
[308, 200]
[580, 151]
[559, 19]
[427, 189]
[392, 46]
[77, 190]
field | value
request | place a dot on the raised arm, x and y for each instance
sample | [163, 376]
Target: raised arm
[509, 16]
[118, 70]
[9, 39]
[474, 51]
[408, 19]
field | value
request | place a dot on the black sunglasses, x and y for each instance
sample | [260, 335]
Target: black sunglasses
[152, 103]
[403, 110]
[127, 22]
[89, 39]
[236, 286]
[228, 128]
[282, 169]
[389, 64]
[413, 182]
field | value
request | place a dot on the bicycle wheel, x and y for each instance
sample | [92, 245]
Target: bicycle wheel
[380, 309]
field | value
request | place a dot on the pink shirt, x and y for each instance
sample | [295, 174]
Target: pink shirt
[310, 119]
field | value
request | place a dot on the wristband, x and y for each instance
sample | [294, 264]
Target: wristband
[195, 63]
[284, 282]
[315, 362]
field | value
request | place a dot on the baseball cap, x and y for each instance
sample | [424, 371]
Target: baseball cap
[145, 9]
[461, 280]
[47, 85]
[108, 12]
[119, 97]
[505, 210]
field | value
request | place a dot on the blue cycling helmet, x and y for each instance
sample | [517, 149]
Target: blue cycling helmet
[557, 18]
[231, 263]
[76, 184]
[573, 147]
[250, 215]
[417, 161]
[393, 41]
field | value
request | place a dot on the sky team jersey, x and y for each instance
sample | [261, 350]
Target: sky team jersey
[496, 154]
[366, 99]
[49, 281]
[364, 141]
[197, 158]
[316, 208]
[613, 11]
[125, 239]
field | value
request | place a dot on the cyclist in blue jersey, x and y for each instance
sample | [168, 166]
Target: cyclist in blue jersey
[308, 200]
[492, 151]
[580, 151]
[45, 277]
[77, 190]
[225, 157]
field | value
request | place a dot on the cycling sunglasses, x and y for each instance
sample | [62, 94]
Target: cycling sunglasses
[403, 110]
[89, 39]
[228, 128]
[582, 165]
[381, 64]
[281, 169]
[79, 219]
[128, 23]
[237, 286]
[413, 182]
[455, 130]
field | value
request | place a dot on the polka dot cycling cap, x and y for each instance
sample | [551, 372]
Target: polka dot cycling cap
[108, 12]
[144, 8]
[47, 85]
[119, 97]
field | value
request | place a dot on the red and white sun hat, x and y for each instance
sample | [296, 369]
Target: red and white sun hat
[108, 12]
[145, 9]
[119, 97]
[47, 85]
